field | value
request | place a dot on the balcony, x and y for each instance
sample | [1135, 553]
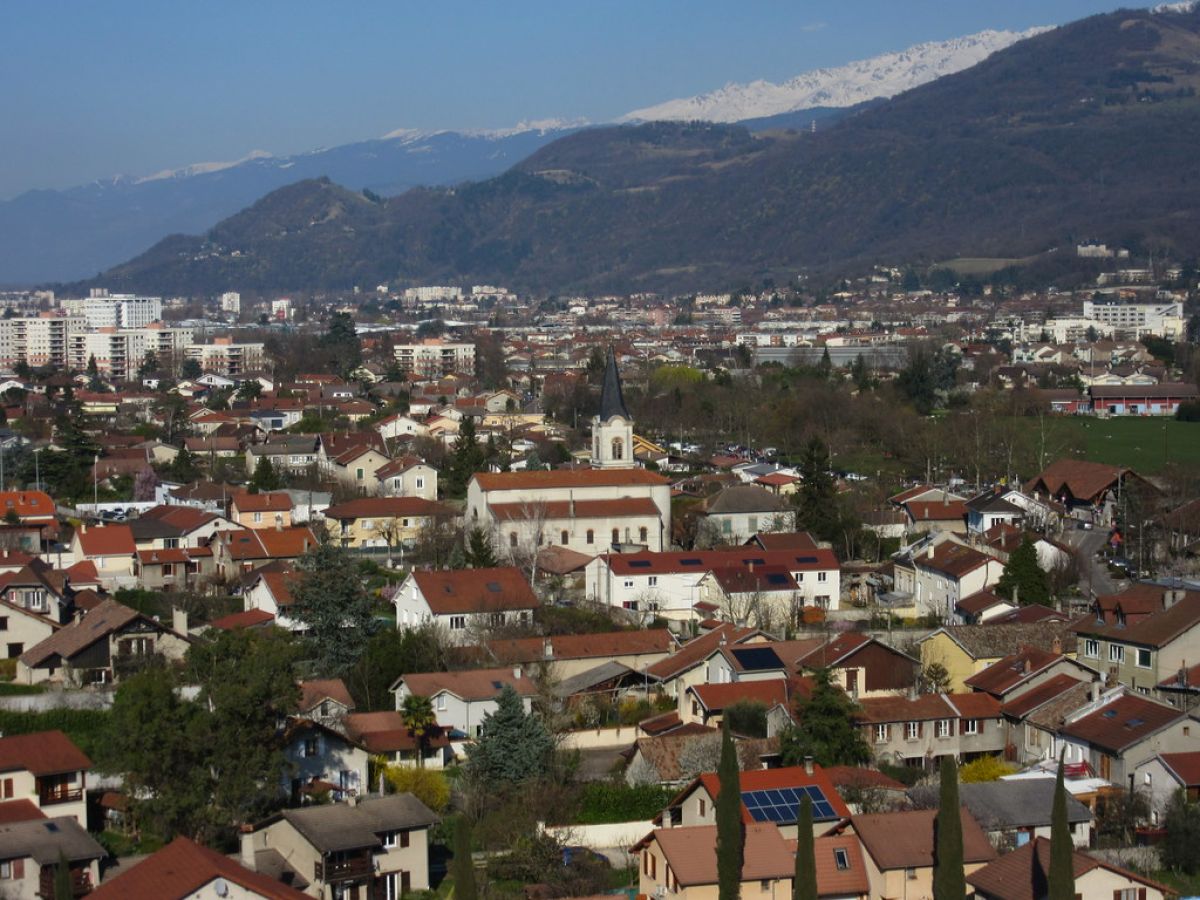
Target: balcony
[345, 869]
[49, 794]
[81, 883]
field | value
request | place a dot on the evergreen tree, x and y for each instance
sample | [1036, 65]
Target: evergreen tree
[825, 365]
[342, 344]
[265, 477]
[513, 745]
[480, 554]
[731, 832]
[804, 882]
[817, 508]
[1023, 579]
[466, 458]
[1061, 877]
[63, 888]
[1181, 845]
[826, 729]
[949, 880]
[463, 866]
[190, 368]
[329, 599]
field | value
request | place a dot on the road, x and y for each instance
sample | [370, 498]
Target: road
[1094, 574]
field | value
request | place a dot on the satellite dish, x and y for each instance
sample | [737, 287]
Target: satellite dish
[221, 887]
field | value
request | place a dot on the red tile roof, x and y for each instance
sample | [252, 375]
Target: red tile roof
[464, 591]
[182, 868]
[566, 478]
[19, 811]
[385, 732]
[42, 753]
[905, 840]
[268, 543]
[833, 881]
[469, 684]
[268, 501]
[860, 777]
[1003, 676]
[925, 707]
[250, 618]
[316, 690]
[1185, 765]
[606, 644]
[981, 601]
[1080, 480]
[784, 540]
[952, 559]
[621, 507]
[715, 697]
[692, 853]
[1123, 722]
[389, 507]
[1025, 703]
[107, 540]
[936, 510]
[1019, 875]
[185, 518]
[698, 649]
[29, 505]
[772, 779]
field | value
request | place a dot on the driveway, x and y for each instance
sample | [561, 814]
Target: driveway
[1094, 574]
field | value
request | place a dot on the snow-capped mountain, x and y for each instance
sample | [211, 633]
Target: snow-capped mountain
[848, 85]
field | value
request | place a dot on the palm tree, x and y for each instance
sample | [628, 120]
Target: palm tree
[420, 720]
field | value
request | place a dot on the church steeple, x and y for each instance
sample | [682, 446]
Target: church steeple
[612, 428]
[612, 402]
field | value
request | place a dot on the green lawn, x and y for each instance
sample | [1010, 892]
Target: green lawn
[1143, 444]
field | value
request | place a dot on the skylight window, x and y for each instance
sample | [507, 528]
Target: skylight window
[494, 587]
[841, 859]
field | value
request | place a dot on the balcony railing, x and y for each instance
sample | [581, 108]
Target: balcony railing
[50, 795]
[81, 883]
[344, 869]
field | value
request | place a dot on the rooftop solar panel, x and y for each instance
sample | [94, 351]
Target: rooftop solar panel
[753, 658]
[639, 563]
[782, 805]
[805, 560]
[690, 562]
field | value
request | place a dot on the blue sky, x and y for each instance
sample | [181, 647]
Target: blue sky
[134, 86]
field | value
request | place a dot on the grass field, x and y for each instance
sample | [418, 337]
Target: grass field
[982, 266]
[1144, 444]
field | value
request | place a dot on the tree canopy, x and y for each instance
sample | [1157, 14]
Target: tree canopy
[329, 599]
[513, 745]
[1023, 579]
[825, 729]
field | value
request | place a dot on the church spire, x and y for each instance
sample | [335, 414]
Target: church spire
[612, 403]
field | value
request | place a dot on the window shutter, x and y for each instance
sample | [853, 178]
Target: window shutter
[1141, 894]
[1116, 895]
[920, 729]
[18, 868]
[980, 725]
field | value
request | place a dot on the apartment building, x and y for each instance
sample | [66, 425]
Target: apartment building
[435, 357]
[119, 352]
[104, 310]
[224, 356]
[38, 341]
[1164, 319]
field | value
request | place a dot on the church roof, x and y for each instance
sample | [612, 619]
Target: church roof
[612, 403]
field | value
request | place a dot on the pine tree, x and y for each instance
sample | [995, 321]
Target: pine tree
[513, 745]
[464, 867]
[817, 508]
[265, 477]
[1023, 578]
[949, 880]
[731, 833]
[1061, 877]
[329, 599]
[804, 882]
[480, 554]
[826, 731]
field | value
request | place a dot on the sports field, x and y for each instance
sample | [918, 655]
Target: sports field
[1145, 444]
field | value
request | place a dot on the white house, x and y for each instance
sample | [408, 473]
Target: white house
[465, 603]
[408, 476]
[462, 699]
[671, 584]
[939, 575]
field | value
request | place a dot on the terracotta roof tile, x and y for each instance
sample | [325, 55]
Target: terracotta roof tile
[1028, 701]
[1024, 873]
[904, 840]
[42, 753]
[1123, 722]
[465, 591]
[315, 690]
[582, 646]
[1010, 672]
[559, 478]
[469, 684]
[390, 507]
[692, 853]
[1185, 765]
[107, 540]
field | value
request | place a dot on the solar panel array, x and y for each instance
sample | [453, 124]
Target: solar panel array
[753, 658]
[783, 804]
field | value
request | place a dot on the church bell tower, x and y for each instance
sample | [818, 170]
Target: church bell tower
[612, 429]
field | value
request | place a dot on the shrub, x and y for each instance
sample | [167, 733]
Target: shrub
[986, 768]
[604, 802]
[427, 785]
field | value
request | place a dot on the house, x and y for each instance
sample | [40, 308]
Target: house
[966, 649]
[293, 455]
[919, 730]
[169, 526]
[682, 863]
[376, 847]
[31, 851]
[568, 655]
[768, 796]
[183, 870]
[1019, 672]
[898, 850]
[239, 552]
[941, 574]
[462, 699]
[46, 769]
[982, 606]
[465, 602]
[35, 601]
[181, 568]
[398, 426]
[1034, 717]
[938, 514]
[1139, 636]
[99, 647]
[268, 590]
[269, 509]
[1013, 813]
[688, 665]
[111, 548]
[1024, 875]
[743, 510]
[862, 665]
[321, 759]
[991, 508]
[408, 476]
[324, 700]
[383, 522]
[386, 734]
[735, 582]
[1164, 775]
[1118, 730]
[706, 703]
[1087, 489]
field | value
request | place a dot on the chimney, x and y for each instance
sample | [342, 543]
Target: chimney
[246, 837]
[808, 765]
[1056, 646]
[547, 648]
[179, 620]
[1027, 665]
[279, 524]
[1096, 691]
[1171, 597]
[751, 567]
[929, 551]
[516, 672]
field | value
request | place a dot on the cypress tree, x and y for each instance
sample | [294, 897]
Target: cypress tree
[1061, 877]
[804, 882]
[949, 881]
[731, 834]
[464, 868]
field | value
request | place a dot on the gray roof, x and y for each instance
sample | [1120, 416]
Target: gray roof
[344, 827]
[747, 498]
[46, 839]
[612, 401]
[590, 678]
[990, 501]
[1023, 803]
[995, 640]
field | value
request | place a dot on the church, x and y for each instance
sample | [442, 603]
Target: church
[613, 506]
